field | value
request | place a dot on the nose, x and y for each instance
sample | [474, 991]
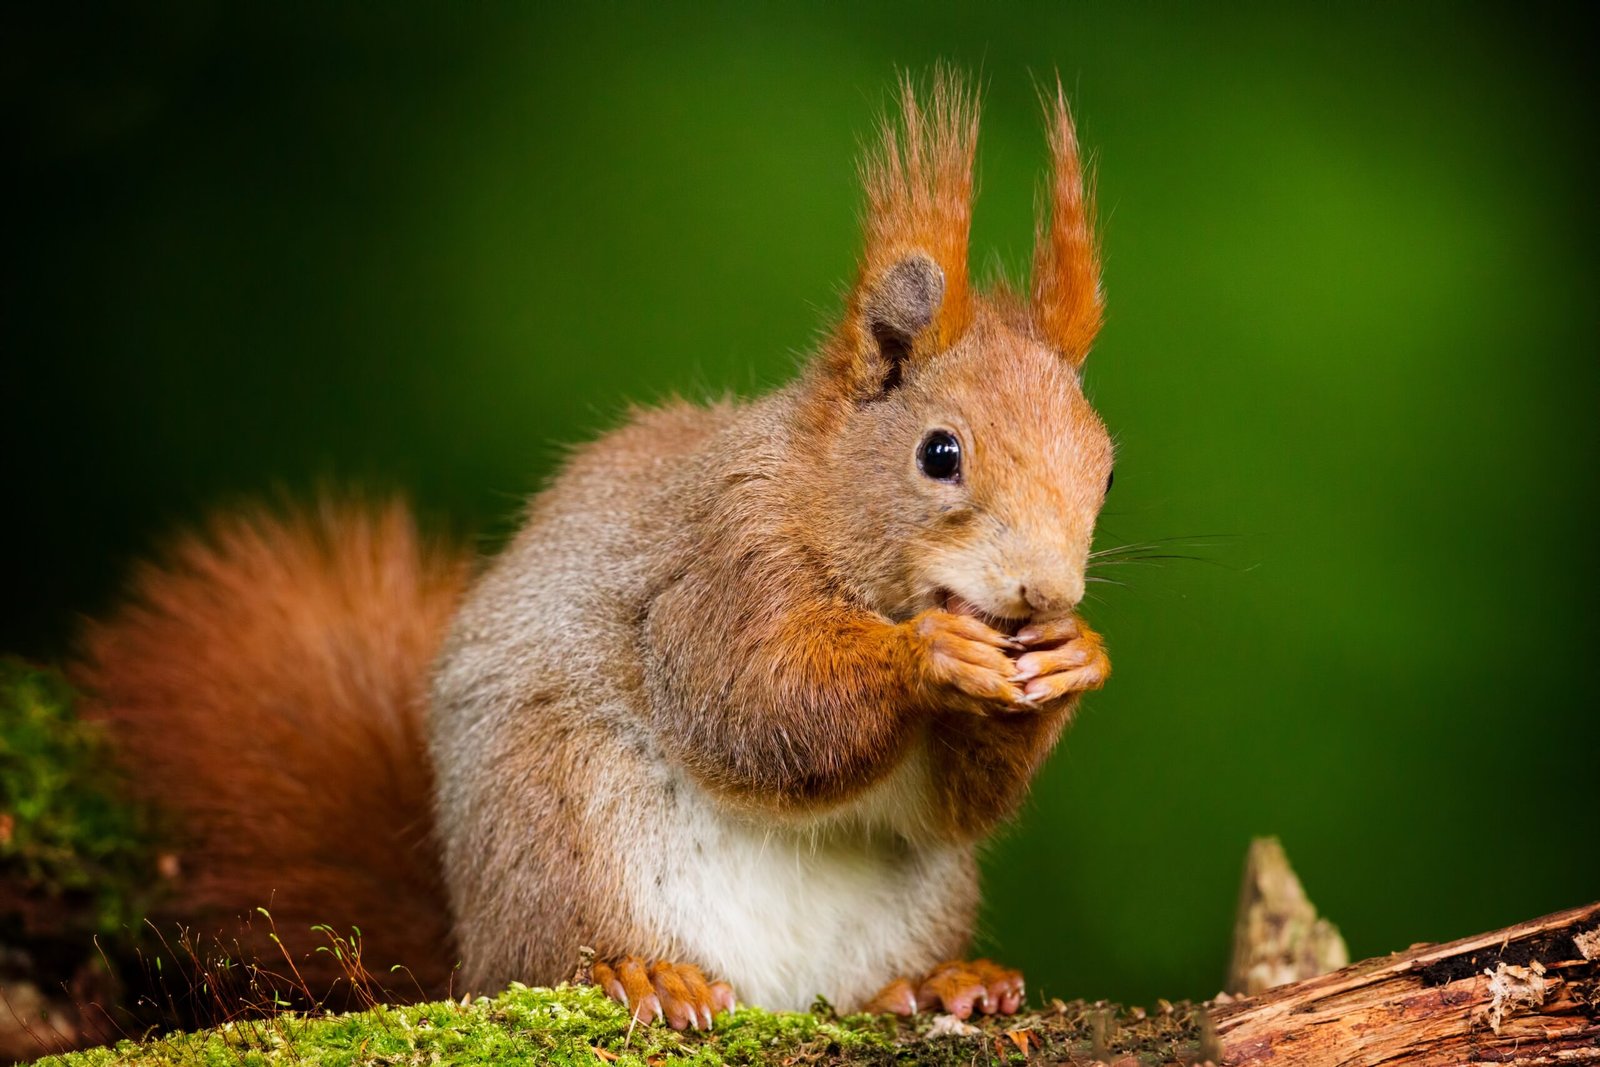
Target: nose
[1052, 595]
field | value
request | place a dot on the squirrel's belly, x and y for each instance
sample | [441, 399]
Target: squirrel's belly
[786, 915]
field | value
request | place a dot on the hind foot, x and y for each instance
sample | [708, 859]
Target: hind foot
[676, 993]
[957, 988]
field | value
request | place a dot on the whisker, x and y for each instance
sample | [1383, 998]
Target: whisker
[1097, 553]
[1156, 561]
[1187, 541]
[1195, 537]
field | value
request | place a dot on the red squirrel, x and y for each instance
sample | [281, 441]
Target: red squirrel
[735, 706]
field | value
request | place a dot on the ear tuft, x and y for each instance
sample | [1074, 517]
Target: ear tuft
[919, 190]
[1068, 305]
[911, 295]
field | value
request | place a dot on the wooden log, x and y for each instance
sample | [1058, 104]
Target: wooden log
[1528, 994]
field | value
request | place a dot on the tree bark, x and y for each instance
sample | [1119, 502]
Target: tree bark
[1528, 994]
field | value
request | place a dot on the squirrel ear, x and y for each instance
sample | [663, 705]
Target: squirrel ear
[911, 297]
[899, 308]
[1068, 305]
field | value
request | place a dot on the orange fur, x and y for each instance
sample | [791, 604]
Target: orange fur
[266, 687]
[919, 189]
[1068, 304]
[919, 193]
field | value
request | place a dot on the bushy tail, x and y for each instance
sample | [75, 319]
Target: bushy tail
[266, 686]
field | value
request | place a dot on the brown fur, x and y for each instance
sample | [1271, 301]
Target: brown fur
[265, 685]
[740, 607]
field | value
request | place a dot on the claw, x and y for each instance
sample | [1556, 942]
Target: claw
[677, 994]
[896, 998]
[957, 989]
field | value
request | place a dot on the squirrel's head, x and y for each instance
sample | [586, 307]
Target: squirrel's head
[965, 468]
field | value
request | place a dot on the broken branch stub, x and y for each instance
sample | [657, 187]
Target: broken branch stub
[1278, 937]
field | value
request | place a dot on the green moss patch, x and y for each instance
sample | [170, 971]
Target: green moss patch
[571, 1026]
[74, 856]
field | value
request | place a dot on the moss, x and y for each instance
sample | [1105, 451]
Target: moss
[571, 1026]
[73, 852]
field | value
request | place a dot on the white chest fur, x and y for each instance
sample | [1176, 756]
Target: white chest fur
[786, 913]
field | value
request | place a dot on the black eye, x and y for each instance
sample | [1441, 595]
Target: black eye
[1110, 477]
[939, 456]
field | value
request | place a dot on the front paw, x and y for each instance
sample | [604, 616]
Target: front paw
[967, 664]
[1064, 657]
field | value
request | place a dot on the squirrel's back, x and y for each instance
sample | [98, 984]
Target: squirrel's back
[266, 687]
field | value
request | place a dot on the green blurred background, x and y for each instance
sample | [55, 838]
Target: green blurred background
[1351, 353]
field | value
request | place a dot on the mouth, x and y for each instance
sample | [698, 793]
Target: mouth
[956, 604]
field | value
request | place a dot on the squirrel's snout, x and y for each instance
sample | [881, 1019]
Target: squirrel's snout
[1051, 596]
[1042, 569]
